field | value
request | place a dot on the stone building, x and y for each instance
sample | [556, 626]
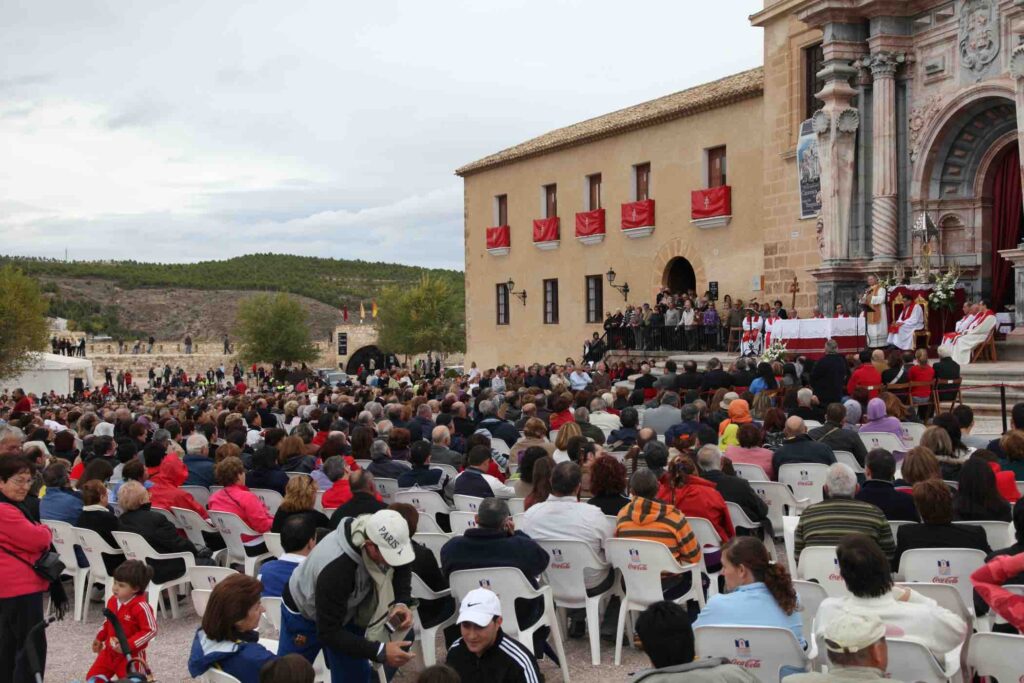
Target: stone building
[867, 116]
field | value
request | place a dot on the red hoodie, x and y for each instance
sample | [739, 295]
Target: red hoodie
[166, 492]
[700, 498]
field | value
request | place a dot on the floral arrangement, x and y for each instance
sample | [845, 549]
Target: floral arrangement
[775, 351]
[943, 294]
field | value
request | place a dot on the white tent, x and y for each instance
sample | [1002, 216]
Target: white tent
[51, 372]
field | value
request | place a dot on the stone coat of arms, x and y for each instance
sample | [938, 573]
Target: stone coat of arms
[979, 34]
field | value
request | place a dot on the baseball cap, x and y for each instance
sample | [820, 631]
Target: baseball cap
[389, 532]
[853, 632]
[480, 606]
[729, 398]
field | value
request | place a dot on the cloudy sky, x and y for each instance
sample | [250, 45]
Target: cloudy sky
[194, 130]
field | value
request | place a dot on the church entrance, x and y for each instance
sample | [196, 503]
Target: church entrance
[1003, 185]
[679, 276]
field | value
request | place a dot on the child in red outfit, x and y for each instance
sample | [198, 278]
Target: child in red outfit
[136, 616]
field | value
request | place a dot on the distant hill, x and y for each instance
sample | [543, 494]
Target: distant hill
[111, 296]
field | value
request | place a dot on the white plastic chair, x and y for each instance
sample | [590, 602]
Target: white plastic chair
[819, 563]
[169, 516]
[999, 534]
[429, 504]
[895, 524]
[363, 463]
[466, 503]
[912, 432]
[447, 469]
[273, 542]
[516, 506]
[319, 504]
[232, 528]
[811, 424]
[750, 472]
[565, 574]
[386, 488]
[773, 647]
[272, 611]
[428, 525]
[426, 638]
[64, 540]
[889, 442]
[741, 520]
[811, 596]
[998, 655]
[508, 583]
[433, 542]
[780, 501]
[909, 660]
[805, 479]
[552, 435]
[461, 521]
[952, 566]
[847, 458]
[194, 525]
[218, 676]
[789, 523]
[270, 498]
[945, 595]
[206, 578]
[94, 547]
[201, 494]
[641, 564]
[138, 548]
[709, 540]
[499, 446]
[200, 598]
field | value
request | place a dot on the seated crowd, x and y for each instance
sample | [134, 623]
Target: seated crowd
[694, 462]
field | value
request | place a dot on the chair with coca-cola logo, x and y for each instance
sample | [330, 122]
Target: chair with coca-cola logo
[819, 563]
[761, 650]
[952, 566]
[805, 479]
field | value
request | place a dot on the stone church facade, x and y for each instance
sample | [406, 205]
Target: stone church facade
[914, 107]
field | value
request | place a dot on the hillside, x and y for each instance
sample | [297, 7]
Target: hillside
[126, 298]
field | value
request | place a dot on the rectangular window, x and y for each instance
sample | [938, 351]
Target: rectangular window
[501, 303]
[595, 298]
[550, 201]
[643, 181]
[814, 59]
[551, 302]
[501, 208]
[716, 167]
[593, 192]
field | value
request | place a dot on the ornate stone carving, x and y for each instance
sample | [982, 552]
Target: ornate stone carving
[821, 123]
[848, 121]
[918, 119]
[884, 64]
[979, 34]
[1017, 62]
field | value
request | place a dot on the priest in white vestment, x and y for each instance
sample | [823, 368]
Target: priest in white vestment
[901, 332]
[876, 318]
[961, 325]
[975, 333]
[751, 340]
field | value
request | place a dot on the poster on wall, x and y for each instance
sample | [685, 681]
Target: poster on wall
[808, 171]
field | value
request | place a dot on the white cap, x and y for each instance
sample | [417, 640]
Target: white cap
[480, 606]
[852, 632]
[388, 530]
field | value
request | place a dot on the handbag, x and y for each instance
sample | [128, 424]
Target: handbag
[49, 565]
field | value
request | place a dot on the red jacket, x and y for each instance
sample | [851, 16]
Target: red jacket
[921, 373]
[341, 493]
[559, 419]
[1006, 483]
[700, 498]
[865, 376]
[988, 582]
[24, 405]
[166, 492]
[28, 541]
[239, 500]
[137, 620]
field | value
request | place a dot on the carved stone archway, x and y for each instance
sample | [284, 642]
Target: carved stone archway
[676, 248]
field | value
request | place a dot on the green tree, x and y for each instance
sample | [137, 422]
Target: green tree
[23, 326]
[427, 316]
[272, 328]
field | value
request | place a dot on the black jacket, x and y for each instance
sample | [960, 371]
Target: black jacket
[738, 490]
[500, 429]
[281, 516]
[507, 661]
[802, 449]
[839, 439]
[946, 368]
[362, 503]
[911, 536]
[485, 548]
[686, 381]
[716, 379]
[273, 479]
[160, 534]
[896, 505]
[609, 504]
[103, 522]
[828, 378]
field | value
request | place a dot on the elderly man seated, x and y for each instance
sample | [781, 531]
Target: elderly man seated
[856, 649]
[902, 329]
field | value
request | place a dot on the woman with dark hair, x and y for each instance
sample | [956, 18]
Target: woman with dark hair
[759, 593]
[695, 497]
[291, 454]
[362, 441]
[522, 482]
[934, 503]
[228, 638]
[896, 372]
[765, 379]
[977, 497]
[561, 411]
[398, 441]
[266, 472]
[790, 378]
[1006, 483]
[541, 480]
[608, 485]
[98, 517]
[774, 429]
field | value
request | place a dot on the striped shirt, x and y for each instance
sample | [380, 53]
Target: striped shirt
[647, 519]
[825, 523]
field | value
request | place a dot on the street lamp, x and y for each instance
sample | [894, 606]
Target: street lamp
[521, 295]
[624, 287]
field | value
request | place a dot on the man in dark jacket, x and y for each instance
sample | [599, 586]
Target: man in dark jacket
[828, 378]
[733, 489]
[946, 368]
[880, 491]
[798, 447]
[715, 377]
[690, 379]
[838, 439]
[421, 475]
[499, 429]
[364, 499]
[742, 376]
[485, 654]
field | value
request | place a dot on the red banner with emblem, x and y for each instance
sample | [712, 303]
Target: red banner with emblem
[714, 201]
[545, 229]
[498, 237]
[590, 223]
[638, 214]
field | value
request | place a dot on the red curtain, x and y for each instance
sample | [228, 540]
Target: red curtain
[1006, 215]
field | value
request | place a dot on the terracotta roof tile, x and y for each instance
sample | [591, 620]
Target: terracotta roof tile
[694, 100]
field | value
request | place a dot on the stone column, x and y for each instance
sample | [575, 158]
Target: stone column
[884, 214]
[1017, 71]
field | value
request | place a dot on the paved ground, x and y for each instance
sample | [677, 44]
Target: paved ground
[70, 656]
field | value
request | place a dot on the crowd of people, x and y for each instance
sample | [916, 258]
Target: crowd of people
[63, 346]
[587, 461]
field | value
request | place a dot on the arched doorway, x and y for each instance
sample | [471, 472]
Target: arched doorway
[679, 276]
[1003, 187]
[370, 357]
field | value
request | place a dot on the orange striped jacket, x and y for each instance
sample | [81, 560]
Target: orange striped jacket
[647, 519]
